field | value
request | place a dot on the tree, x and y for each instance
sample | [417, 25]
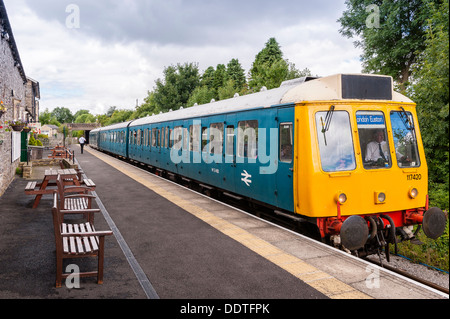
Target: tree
[175, 89]
[270, 69]
[85, 118]
[46, 117]
[431, 92]
[119, 116]
[389, 47]
[63, 115]
[236, 73]
[201, 95]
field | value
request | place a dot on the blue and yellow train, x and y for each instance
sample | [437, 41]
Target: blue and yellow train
[343, 153]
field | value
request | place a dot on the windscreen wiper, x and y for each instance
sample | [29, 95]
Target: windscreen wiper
[406, 120]
[327, 122]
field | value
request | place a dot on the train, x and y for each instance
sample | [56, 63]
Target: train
[342, 154]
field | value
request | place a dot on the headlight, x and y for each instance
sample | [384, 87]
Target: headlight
[341, 198]
[413, 193]
[380, 198]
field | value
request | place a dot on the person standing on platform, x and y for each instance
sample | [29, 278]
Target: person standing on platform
[82, 141]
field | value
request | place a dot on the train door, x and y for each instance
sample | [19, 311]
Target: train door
[229, 166]
[254, 176]
[285, 172]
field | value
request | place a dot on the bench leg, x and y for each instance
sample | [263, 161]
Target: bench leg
[59, 271]
[101, 257]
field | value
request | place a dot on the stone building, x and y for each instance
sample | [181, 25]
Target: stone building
[18, 95]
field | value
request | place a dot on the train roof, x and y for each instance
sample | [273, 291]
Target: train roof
[335, 87]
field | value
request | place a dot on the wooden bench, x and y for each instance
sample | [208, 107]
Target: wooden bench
[76, 241]
[80, 202]
[59, 152]
[88, 182]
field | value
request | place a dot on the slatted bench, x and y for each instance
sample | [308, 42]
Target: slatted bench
[30, 187]
[89, 183]
[76, 241]
[80, 202]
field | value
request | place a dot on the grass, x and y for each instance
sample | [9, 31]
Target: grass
[433, 252]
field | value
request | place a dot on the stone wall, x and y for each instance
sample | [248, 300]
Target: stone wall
[11, 82]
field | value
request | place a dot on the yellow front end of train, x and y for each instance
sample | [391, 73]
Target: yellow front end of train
[335, 174]
[360, 172]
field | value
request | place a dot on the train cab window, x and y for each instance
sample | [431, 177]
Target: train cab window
[229, 146]
[286, 142]
[373, 139]
[405, 140]
[247, 145]
[335, 141]
[216, 138]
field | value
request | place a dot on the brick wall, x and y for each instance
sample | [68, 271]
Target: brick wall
[10, 80]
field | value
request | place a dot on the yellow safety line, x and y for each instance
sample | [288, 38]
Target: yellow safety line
[319, 280]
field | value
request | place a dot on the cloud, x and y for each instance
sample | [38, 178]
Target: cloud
[122, 46]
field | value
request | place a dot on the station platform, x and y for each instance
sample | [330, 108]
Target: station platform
[172, 243]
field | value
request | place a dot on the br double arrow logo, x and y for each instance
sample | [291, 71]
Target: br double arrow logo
[246, 178]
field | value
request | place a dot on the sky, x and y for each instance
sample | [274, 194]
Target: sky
[96, 54]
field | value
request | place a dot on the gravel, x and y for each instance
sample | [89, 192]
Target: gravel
[421, 271]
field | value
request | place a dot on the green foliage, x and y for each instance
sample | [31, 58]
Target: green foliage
[392, 48]
[63, 115]
[34, 142]
[119, 116]
[270, 69]
[431, 92]
[433, 252]
[174, 90]
[47, 117]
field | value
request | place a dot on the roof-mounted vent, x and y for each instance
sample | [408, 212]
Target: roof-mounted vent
[366, 87]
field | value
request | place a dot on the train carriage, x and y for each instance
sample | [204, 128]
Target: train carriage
[342, 152]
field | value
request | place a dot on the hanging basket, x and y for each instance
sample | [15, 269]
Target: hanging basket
[1, 113]
[17, 128]
[26, 130]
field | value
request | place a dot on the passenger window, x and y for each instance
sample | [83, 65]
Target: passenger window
[230, 141]
[177, 137]
[373, 139]
[185, 139]
[216, 138]
[204, 139]
[247, 139]
[158, 138]
[154, 137]
[335, 141]
[405, 140]
[195, 138]
[286, 142]
[167, 137]
[139, 135]
[171, 138]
